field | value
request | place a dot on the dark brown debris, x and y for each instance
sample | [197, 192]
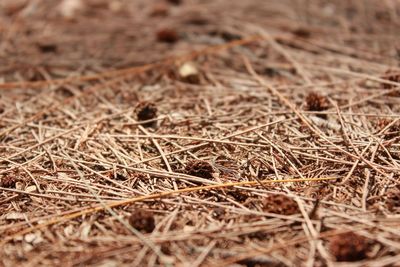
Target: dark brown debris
[146, 111]
[47, 47]
[302, 33]
[260, 262]
[8, 181]
[199, 168]
[167, 35]
[99, 167]
[142, 220]
[259, 235]
[175, 2]
[349, 247]
[280, 204]
[119, 175]
[393, 77]
[218, 213]
[238, 195]
[166, 249]
[316, 102]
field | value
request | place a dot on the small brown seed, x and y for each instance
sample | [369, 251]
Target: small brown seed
[349, 247]
[280, 204]
[175, 2]
[142, 220]
[146, 111]
[8, 181]
[167, 35]
[316, 102]
[302, 33]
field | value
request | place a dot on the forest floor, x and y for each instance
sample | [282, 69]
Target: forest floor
[199, 133]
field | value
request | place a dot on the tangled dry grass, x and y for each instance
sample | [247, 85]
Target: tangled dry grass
[115, 154]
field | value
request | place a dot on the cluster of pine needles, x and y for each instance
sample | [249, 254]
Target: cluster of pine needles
[215, 133]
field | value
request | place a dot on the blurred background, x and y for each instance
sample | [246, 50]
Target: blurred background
[49, 39]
